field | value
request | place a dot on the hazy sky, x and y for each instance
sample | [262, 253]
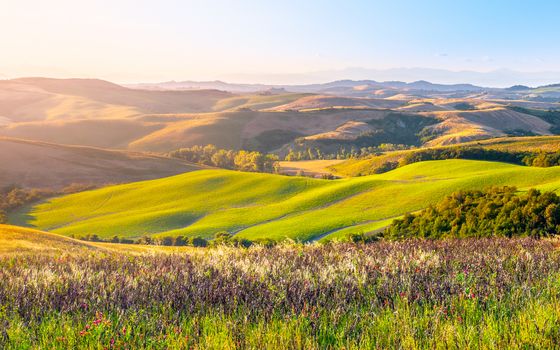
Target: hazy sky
[131, 41]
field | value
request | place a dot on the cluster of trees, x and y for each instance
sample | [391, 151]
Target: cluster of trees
[96, 238]
[259, 162]
[166, 241]
[228, 159]
[221, 238]
[315, 153]
[494, 212]
[14, 197]
[542, 159]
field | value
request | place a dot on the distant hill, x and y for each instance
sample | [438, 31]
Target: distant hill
[337, 115]
[45, 99]
[41, 165]
[340, 85]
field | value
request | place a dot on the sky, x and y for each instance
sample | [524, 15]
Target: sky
[272, 41]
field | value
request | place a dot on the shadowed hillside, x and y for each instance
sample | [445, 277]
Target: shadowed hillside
[41, 165]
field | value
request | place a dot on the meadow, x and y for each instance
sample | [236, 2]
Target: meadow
[414, 294]
[372, 164]
[253, 206]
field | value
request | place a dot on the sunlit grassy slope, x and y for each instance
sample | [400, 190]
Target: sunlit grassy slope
[366, 166]
[251, 205]
[21, 240]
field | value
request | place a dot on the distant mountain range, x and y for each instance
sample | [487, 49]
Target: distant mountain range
[311, 88]
[501, 78]
[368, 88]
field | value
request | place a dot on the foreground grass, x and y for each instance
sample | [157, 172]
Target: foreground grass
[458, 294]
[255, 206]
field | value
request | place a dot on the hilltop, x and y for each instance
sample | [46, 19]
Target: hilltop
[252, 205]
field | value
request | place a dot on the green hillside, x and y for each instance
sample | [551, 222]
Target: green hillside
[368, 165]
[254, 205]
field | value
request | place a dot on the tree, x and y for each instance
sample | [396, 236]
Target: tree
[180, 241]
[222, 237]
[223, 159]
[167, 241]
[198, 242]
[146, 240]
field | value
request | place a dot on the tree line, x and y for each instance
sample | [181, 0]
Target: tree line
[474, 153]
[228, 159]
[498, 211]
[316, 153]
[220, 238]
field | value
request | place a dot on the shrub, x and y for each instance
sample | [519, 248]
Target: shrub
[362, 238]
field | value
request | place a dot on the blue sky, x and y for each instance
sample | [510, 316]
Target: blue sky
[220, 39]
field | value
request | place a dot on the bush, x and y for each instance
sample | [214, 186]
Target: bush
[265, 242]
[362, 238]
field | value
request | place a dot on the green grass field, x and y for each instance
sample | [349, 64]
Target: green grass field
[367, 166]
[252, 206]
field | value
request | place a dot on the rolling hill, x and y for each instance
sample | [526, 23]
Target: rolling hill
[20, 240]
[368, 165]
[47, 165]
[252, 205]
[98, 113]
